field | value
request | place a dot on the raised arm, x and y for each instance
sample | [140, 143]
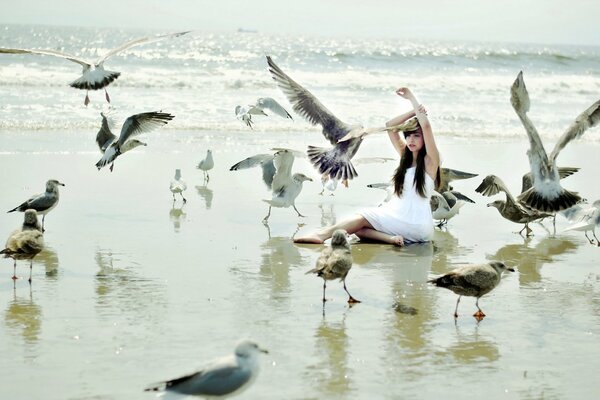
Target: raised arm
[398, 141]
[433, 156]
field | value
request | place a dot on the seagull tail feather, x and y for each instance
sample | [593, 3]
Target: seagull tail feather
[326, 162]
[97, 82]
[537, 201]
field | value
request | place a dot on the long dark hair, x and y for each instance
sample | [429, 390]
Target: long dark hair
[406, 162]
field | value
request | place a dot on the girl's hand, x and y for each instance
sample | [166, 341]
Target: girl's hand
[405, 92]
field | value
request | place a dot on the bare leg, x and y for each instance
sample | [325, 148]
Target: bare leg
[265, 219]
[372, 234]
[351, 225]
[350, 298]
[456, 309]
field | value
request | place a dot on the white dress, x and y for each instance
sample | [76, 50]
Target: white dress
[408, 216]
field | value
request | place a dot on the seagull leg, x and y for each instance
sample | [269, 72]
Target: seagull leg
[456, 309]
[14, 277]
[300, 215]
[184, 200]
[324, 286]
[597, 241]
[265, 219]
[86, 101]
[43, 218]
[588, 238]
[479, 314]
[106, 95]
[30, 268]
[207, 177]
[351, 299]
[112, 165]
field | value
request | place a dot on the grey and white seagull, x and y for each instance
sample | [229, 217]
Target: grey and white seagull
[104, 138]
[93, 76]
[334, 161]
[277, 175]
[245, 113]
[206, 165]
[43, 203]
[547, 194]
[133, 126]
[225, 376]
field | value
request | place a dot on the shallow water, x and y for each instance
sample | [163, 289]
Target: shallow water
[132, 289]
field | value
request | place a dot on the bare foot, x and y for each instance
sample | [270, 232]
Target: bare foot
[310, 238]
[397, 240]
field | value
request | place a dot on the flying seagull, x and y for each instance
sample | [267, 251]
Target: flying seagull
[547, 194]
[133, 126]
[334, 161]
[94, 76]
[245, 113]
[42, 203]
[335, 262]
[25, 243]
[226, 376]
[104, 138]
[472, 280]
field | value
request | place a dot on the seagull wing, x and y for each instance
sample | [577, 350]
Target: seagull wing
[271, 104]
[459, 196]
[383, 186]
[587, 119]
[104, 137]
[283, 161]
[137, 42]
[264, 160]
[308, 106]
[55, 53]
[492, 185]
[372, 160]
[144, 122]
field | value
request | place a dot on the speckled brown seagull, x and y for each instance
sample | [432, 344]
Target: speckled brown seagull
[93, 76]
[547, 194]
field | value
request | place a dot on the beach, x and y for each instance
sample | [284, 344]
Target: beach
[132, 289]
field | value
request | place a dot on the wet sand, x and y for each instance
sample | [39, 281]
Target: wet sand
[132, 288]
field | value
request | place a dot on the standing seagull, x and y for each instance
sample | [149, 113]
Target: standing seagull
[245, 113]
[178, 185]
[472, 280]
[104, 138]
[206, 165]
[334, 161]
[546, 193]
[133, 126]
[447, 204]
[226, 376]
[25, 243]
[335, 262]
[42, 203]
[94, 76]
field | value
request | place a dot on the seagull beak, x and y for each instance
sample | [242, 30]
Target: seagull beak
[61, 184]
[510, 269]
[263, 350]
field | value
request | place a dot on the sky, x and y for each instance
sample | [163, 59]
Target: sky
[572, 22]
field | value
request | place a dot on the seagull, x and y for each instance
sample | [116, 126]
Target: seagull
[94, 76]
[447, 204]
[335, 262]
[547, 194]
[512, 209]
[178, 185]
[245, 113]
[133, 126]
[448, 175]
[206, 165]
[585, 219]
[334, 161]
[25, 243]
[42, 203]
[278, 177]
[328, 184]
[472, 280]
[222, 377]
[104, 138]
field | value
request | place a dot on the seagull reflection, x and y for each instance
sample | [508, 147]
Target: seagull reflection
[22, 315]
[206, 194]
[531, 259]
[472, 349]
[49, 259]
[446, 250]
[328, 217]
[177, 215]
[331, 372]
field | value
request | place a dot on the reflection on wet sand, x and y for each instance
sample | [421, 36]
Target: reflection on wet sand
[206, 194]
[49, 259]
[177, 215]
[120, 291]
[327, 214]
[23, 316]
[529, 260]
[278, 255]
[331, 374]
[471, 348]
[446, 251]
